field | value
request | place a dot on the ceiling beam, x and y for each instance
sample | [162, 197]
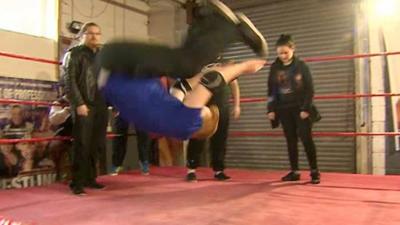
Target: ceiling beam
[127, 7]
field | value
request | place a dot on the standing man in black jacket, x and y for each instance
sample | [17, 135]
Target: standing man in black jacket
[88, 109]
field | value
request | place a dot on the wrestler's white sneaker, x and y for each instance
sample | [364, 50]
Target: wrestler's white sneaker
[252, 36]
[224, 11]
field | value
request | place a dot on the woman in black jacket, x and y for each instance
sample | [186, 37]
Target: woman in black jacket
[290, 94]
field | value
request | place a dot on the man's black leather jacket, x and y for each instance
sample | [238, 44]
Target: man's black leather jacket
[81, 76]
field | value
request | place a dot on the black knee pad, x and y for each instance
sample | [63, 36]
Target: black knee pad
[183, 85]
[213, 81]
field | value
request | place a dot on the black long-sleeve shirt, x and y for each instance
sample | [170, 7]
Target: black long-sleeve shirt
[290, 86]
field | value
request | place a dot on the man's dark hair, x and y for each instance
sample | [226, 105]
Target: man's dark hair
[85, 27]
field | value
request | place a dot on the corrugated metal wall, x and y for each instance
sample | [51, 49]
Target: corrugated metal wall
[320, 28]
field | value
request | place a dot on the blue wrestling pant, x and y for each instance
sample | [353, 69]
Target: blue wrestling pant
[147, 104]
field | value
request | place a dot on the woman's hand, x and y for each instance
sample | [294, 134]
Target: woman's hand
[304, 115]
[271, 116]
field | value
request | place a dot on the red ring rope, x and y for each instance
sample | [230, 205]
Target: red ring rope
[34, 59]
[333, 96]
[24, 102]
[309, 59]
[345, 57]
[231, 134]
[61, 138]
[242, 100]
[315, 134]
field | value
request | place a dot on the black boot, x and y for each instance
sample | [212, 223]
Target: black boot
[291, 176]
[77, 189]
[315, 177]
[221, 176]
[191, 177]
[95, 185]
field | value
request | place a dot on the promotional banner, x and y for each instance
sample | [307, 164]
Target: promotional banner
[35, 163]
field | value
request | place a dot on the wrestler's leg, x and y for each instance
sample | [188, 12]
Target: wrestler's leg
[207, 37]
[209, 83]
